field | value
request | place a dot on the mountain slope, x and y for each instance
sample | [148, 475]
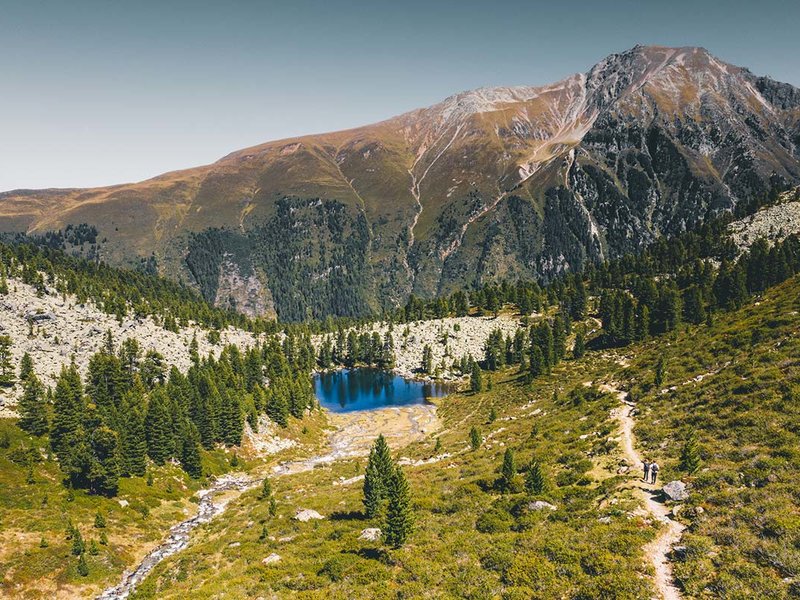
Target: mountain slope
[497, 182]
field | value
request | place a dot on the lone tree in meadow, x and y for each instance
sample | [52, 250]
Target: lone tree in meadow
[399, 514]
[535, 482]
[377, 478]
[690, 454]
[475, 439]
[476, 378]
[509, 471]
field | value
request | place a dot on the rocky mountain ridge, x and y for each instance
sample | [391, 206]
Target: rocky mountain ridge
[491, 183]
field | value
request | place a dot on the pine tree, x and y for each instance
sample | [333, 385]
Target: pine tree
[399, 514]
[376, 478]
[475, 439]
[33, 407]
[132, 438]
[104, 473]
[190, 451]
[508, 472]
[427, 360]
[536, 364]
[476, 378]
[277, 407]
[534, 480]
[83, 568]
[158, 427]
[25, 367]
[231, 419]
[6, 368]
[690, 454]
[658, 379]
[579, 349]
[68, 407]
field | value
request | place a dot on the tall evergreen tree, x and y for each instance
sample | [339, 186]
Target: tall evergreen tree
[158, 427]
[476, 378]
[190, 451]
[690, 454]
[25, 367]
[33, 407]
[508, 472]
[535, 482]
[132, 438]
[377, 477]
[399, 514]
[6, 368]
[68, 407]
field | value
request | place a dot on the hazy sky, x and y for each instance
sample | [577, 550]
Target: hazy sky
[109, 91]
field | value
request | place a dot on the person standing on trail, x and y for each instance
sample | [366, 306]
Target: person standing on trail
[654, 469]
[646, 466]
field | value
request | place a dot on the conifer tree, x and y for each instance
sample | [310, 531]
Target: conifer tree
[399, 515]
[83, 568]
[535, 482]
[6, 368]
[536, 362]
[476, 378]
[231, 419]
[579, 349]
[658, 379]
[508, 472]
[690, 454]
[33, 407]
[25, 367]
[190, 451]
[68, 406]
[277, 407]
[158, 427]
[475, 439]
[376, 478]
[133, 441]
[427, 360]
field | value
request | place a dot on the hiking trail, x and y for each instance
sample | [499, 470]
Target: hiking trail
[657, 550]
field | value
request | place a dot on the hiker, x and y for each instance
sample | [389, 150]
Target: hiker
[646, 466]
[654, 471]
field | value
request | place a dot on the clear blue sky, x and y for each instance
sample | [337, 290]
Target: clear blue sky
[108, 91]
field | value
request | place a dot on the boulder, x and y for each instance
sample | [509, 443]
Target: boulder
[271, 559]
[305, 515]
[675, 491]
[371, 534]
[540, 505]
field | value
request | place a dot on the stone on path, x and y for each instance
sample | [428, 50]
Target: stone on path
[306, 514]
[676, 491]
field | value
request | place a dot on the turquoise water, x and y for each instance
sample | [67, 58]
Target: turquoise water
[366, 389]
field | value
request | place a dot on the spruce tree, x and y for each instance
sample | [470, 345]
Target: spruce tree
[475, 439]
[68, 406]
[277, 407]
[399, 515]
[508, 472]
[133, 441]
[476, 378]
[25, 367]
[690, 454]
[535, 482]
[190, 451]
[33, 407]
[158, 427]
[579, 349]
[660, 372]
[6, 368]
[376, 478]
[427, 360]
[536, 364]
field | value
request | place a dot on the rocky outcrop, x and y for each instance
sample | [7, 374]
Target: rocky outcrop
[675, 491]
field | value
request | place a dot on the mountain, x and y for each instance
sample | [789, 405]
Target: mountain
[491, 183]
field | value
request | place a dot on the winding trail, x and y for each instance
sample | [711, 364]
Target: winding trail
[657, 550]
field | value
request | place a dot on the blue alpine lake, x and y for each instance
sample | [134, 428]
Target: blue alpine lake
[347, 390]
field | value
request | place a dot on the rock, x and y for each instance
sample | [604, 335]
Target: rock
[234, 544]
[306, 514]
[540, 505]
[675, 491]
[271, 559]
[679, 552]
[604, 520]
[123, 503]
[371, 534]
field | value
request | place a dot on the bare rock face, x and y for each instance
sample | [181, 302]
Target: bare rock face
[370, 534]
[242, 292]
[306, 514]
[676, 491]
[774, 224]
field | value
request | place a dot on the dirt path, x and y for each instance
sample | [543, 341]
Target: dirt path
[657, 550]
